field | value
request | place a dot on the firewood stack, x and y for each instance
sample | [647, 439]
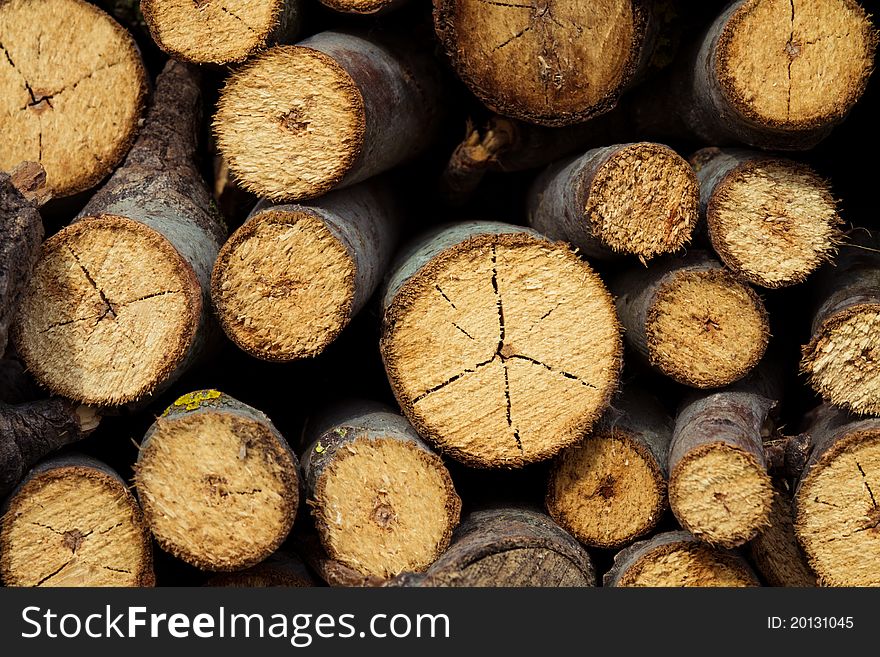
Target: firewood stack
[532, 293]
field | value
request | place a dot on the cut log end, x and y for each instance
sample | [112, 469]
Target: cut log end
[219, 489]
[842, 360]
[361, 6]
[91, 97]
[791, 65]
[212, 31]
[283, 285]
[705, 329]
[773, 222]
[665, 561]
[302, 139]
[721, 494]
[111, 309]
[385, 506]
[535, 61]
[607, 491]
[838, 511]
[503, 349]
[74, 526]
[644, 200]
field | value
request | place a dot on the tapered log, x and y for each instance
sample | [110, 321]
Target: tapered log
[640, 199]
[501, 347]
[550, 63]
[117, 306]
[220, 32]
[508, 547]
[73, 522]
[282, 568]
[611, 488]
[75, 113]
[363, 7]
[218, 483]
[842, 359]
[837, 515]
[719, 489]
[292, 277]
[678, 559]
[383, 502]
[772, 221]
[341, 109]
[775, 551]
[775, 74]
[692, 320]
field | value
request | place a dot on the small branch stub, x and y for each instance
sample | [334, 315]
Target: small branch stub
[501, 347]
[640, 199]
[692, 320]
[218, 482]
[341, 108]
[75, 113]
[678, 559]
[772, 221]
[550, 62]
[219, 31]
[837, 501]
[611, 488]
[291, 278]
[73, 522]
[383, 502]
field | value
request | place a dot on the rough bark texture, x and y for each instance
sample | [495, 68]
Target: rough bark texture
[206, 32]
[719, 489]
[21, 232]
[228, 477]
[475, 315]
[73, 522]
[747, 62]
[772, 221]
[842, 359]
[692, 320]
[638, 199]
[320, 271]
[283, 568]
[534, 61]
[611, 488]
[158, 201]
[363, 466]
[678, 559]
[837, 515]
[378, 104]
[775, 551]
[508, 547]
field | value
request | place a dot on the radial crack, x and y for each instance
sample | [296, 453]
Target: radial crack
[44, 526]
[94, 285]
[443, 294]
[52, 574]
[515, 36]
[509, 404]
[506, 4]
[117, 570]
[498, 302]
[867, 486]
[238, 18]
[453, 379]
[463, 331]
[789, 49]
[567, 375]
[122, 304]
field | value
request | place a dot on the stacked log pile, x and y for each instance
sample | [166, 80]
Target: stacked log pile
[526, 293]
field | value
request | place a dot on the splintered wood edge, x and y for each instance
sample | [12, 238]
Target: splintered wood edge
[260, 136]
[828, 563]
[129, 53]
[570, 459]
[412, 288]
[182, 29]
[275, 330]
[835, 360]
[448, 28]
[50, 367]
[683, 496]
[170, 534]
[840, 100]
[647, 210]
[808, 254]
[354, 557]
[667, 359]
[32, 488]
